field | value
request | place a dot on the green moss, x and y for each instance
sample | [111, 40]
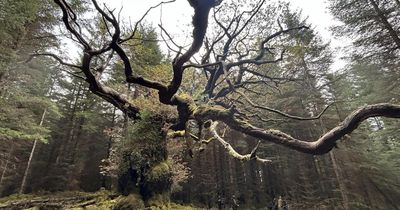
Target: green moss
[279, 133]
[105, 200]
[159, 172]
[185, 98]
[157, 180]
[178, 206]
[166, 205]
[100, 200]
[159, 201]
[132, 201]
[33, 208]
[208, 112]
[176, 134]
[188, 100]
[16, 197]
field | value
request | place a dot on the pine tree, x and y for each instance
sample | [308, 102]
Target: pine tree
[374, 27]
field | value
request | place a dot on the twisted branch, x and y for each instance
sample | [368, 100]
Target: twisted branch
[232, 152]
[318, 147]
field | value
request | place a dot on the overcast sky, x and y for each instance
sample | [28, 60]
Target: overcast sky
[176, 17]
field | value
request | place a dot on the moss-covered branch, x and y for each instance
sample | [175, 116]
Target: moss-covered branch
[320, 146]
[232, 152]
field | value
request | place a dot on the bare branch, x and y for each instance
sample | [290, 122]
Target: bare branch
[232, 152]
[169, 36]
[117, 99]
[74, 74]
[101, 69]
[256, 61]
[54, 56]
[280, 112]
[130, 78]
[275, 79]
[142, 18]
[201, 65]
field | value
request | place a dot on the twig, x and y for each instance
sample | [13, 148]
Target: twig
[280, 112]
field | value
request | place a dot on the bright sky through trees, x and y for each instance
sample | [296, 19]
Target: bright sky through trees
[179, 21]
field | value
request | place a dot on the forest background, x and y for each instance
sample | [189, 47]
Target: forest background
[56, 135]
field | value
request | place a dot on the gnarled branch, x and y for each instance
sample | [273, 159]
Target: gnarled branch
[321, 146]
[232, 152]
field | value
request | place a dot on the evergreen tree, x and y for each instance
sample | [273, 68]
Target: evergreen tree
[374, 27]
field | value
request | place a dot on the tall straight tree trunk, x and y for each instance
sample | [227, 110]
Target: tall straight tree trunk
[339, 178]
[336, 169]
[113, 182]
[28, 166]
[73, 106]
[382, 18]
[389, 201]
[3, 174]
[4, 171]
[80, 122]
[126, 118]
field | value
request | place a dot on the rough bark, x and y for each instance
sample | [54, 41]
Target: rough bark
[321, 146]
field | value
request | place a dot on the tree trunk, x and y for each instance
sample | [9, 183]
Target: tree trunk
[65, 142]
[28, 166]
[3, 174]
[113, 181]
[386, 24]
[339, 178]
[336, 169]
[387, 196]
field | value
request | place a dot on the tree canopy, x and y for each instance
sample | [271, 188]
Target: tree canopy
[248, 113]
[228, 69]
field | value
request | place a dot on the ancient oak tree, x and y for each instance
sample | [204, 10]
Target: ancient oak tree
[228, 57]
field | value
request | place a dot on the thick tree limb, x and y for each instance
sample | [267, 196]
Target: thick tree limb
[67, 18]
[321, 146]
[200, 23]
[117, 99]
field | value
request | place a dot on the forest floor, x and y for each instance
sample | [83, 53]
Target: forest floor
[100, 200]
